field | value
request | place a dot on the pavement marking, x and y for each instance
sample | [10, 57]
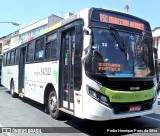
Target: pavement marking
[151, 118]
[7, 134]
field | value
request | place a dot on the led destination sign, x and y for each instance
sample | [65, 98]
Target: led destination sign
[119, 19]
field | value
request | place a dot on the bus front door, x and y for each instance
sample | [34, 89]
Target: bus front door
[67, 75]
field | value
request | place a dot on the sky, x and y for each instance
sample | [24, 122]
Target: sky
[26, 12]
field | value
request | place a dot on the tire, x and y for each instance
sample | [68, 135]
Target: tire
[53, 106]
[13, 94]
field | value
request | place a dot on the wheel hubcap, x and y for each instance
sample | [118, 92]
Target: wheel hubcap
[53, 103]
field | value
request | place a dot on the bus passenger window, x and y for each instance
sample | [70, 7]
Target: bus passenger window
[8, 58]
[17, 56]
[12, 57]
[39, 52]
[48, 50]
[51, 47]
[4, 59]
[30, 52]
[54, 49]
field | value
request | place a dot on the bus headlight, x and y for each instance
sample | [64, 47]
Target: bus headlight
[103, 98]
[98, 96]
[92, 92]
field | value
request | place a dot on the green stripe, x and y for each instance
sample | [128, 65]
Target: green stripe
[128, 96]
[55, 74]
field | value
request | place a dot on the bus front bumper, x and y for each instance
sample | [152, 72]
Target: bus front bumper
[94, 110]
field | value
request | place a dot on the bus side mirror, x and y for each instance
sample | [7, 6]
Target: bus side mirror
[86, 46]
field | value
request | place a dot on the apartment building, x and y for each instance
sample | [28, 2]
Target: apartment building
[24, 34]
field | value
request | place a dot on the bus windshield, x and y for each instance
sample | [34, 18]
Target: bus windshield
[120, 54]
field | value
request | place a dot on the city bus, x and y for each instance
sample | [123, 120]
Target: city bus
[98, 64]
[0, 66]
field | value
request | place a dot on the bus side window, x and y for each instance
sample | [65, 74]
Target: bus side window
[8, 58]
[48, 50]
[39, 52]
[12, 57]
[30, 52]
[51, 47]
[54, 49]
[17, 56]
[4, 59]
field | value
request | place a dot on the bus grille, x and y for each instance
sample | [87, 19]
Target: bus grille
[126, 85]
[119, 108]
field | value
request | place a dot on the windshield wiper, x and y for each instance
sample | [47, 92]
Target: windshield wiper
[120, 41]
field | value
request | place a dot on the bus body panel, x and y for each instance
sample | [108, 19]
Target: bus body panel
[78, 104]
[44, 73]
[8, 73]
[101, 112]
[48, 73]
[94, 110]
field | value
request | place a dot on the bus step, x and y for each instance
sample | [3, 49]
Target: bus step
[21, 95]
[66, 111]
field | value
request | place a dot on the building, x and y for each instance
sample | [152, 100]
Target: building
[0, 47]
[22, 35]
[10, 39]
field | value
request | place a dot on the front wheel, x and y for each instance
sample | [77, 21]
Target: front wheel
[53, 106]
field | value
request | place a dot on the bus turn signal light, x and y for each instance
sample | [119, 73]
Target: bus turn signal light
[78, 100]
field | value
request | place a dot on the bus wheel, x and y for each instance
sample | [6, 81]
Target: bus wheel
[13, 94]
[53, 106]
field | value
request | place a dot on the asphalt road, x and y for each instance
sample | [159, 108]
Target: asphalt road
[18, 112]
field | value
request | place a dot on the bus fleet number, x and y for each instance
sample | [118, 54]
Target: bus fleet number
[45, 71]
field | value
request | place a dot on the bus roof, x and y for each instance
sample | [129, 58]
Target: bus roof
[75, 16]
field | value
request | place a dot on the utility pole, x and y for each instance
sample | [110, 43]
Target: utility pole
[126, 6]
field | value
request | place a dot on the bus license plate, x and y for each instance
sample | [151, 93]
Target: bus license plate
[134, 108]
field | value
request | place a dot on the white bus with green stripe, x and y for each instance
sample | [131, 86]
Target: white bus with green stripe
[98, 64]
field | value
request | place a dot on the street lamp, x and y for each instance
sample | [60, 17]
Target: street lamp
[126, 6]
[13, 23]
